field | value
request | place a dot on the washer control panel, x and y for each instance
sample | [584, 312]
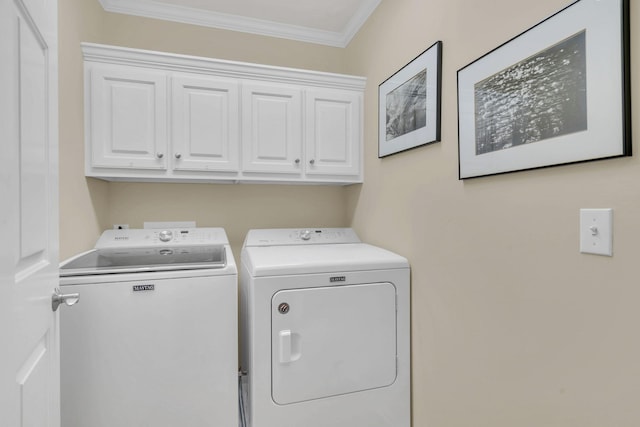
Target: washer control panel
[300, 236]
[142, 238]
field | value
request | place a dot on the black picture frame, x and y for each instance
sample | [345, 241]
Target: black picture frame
[409, 104]
[558, 93]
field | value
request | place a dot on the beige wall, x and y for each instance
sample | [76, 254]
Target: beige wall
[83, 203]
[511, 325]
[88, 206]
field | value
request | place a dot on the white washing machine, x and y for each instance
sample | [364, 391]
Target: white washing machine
[153, 340]
[325, 330]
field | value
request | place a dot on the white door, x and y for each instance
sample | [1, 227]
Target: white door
[332, 340]
[271, 129]
[333, 133]
[205, 131]
[29, 350]
[128, 118]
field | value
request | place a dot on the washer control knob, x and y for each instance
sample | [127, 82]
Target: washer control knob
[305, 235]
[165, 235]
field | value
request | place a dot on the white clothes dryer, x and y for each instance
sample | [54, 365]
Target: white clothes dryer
[325, 330]
[153, 339]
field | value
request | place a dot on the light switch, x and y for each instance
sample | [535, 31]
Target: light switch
[596, 231]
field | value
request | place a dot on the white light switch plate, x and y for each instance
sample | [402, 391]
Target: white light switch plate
[596, 231]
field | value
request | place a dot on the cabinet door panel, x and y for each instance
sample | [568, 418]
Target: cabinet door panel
[272, 128]
[205, 124]
[333, 133]
[128, 118]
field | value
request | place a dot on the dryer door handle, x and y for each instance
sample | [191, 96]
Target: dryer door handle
[285, 346]
[290, 346]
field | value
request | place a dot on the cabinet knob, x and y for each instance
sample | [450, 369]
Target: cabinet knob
[297, 161]
[312, 161]
[160, 155]
[178, 155]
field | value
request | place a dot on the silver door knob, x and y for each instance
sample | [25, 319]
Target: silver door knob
[311, 162]
[297, 161]
[160, 155]
[178, 155]
[60, 298]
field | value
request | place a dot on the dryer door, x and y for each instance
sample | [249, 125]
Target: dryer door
[332, 340]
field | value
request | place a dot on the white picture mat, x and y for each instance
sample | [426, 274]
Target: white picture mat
[605, 132]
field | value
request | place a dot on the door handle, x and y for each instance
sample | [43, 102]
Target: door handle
[59, 298]
[285, 346]
[290, 346]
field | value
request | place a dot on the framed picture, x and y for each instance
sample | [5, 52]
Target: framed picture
[409, 104]
[556, 94]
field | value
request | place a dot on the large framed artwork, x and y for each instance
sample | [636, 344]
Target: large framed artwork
[556, 94]
[409, 104]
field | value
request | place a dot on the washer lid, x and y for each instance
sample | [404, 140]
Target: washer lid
[287, 260]
[135, 260]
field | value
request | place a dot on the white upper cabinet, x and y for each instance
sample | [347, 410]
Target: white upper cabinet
[204, 118]
[128, 115]
[333, 133]
[152, 116]
[271, 128]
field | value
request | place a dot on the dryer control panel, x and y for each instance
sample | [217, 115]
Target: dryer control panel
[300, 236]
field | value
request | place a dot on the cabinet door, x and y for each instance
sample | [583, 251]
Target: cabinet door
[205, 124]
[333, 133]
[271, 128]
[128, 117]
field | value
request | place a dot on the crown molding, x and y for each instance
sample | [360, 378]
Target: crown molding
[153, 9]
[358, 20]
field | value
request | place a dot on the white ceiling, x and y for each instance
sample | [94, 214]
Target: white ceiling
[328, 22]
